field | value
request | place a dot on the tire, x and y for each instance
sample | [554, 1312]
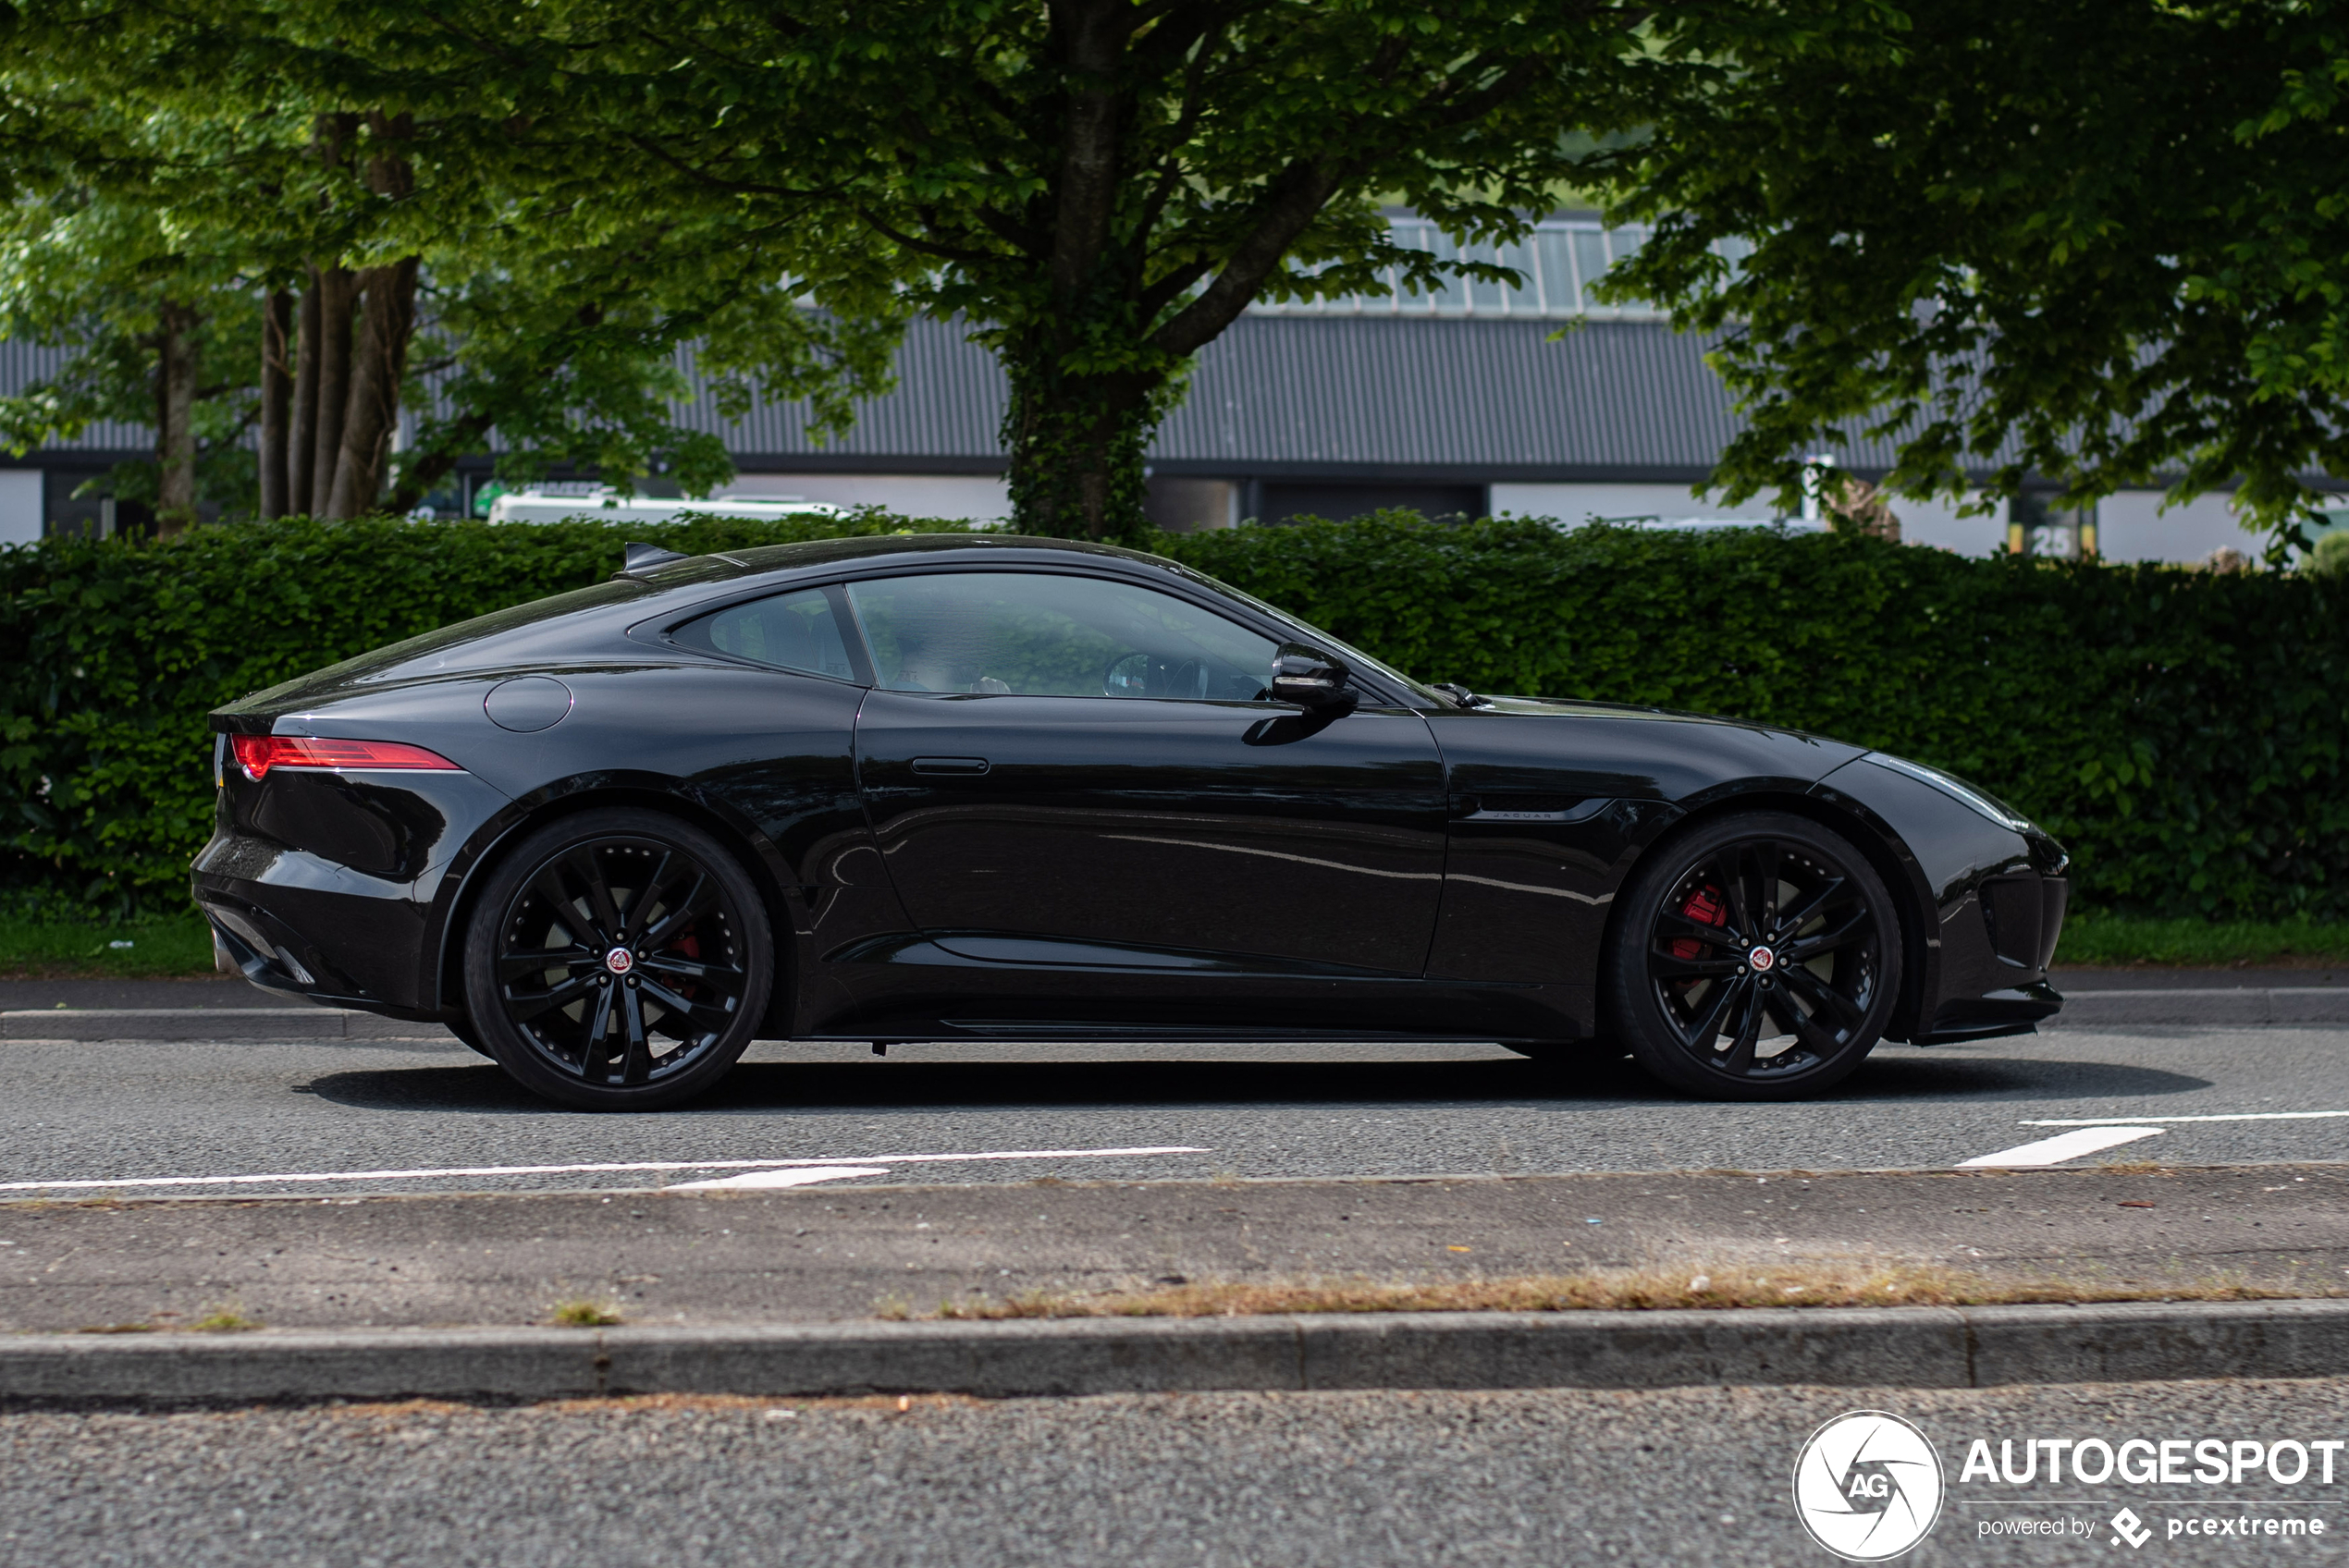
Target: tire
[619, 960]
[470, 1037]
[1755, 958]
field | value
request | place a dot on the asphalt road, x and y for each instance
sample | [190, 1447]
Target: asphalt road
[430, 1116]
[1693, 1476]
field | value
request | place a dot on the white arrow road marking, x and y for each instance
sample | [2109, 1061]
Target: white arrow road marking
[2234, 1116]
[2066, 1146]
[590, 1168]
[803, 1177]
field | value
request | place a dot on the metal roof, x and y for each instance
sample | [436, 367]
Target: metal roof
[1341, 396]
[1280, 393]
[22, 364]
[1556, 264]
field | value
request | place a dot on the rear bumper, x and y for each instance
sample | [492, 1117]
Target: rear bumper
[292, 922]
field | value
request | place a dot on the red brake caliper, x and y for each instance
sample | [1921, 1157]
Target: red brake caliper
[1706, 908]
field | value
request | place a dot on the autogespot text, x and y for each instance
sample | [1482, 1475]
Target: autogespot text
[2191, 1464]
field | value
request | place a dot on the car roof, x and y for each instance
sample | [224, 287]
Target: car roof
[770, 558]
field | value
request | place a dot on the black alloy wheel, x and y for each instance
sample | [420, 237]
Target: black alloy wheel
[1758, 958]
[619, 961]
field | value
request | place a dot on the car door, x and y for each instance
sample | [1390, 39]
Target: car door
[1056, 763]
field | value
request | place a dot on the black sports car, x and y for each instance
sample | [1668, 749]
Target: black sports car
[964, 786]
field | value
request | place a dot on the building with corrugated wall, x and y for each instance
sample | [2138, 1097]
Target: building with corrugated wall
[1535, 399]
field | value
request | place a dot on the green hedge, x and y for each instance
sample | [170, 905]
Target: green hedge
[2183, 732]
[113, 652]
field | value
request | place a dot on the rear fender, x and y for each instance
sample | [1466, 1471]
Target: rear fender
[461, 879]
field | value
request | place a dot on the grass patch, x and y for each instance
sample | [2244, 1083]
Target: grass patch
[1616, 1289]
[586, 1315]
[229, 1319]
[155, 946]
[2116, 941]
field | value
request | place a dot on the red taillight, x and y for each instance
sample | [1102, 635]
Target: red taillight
[258, 754]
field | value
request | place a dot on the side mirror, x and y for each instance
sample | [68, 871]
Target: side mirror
[1312, 680]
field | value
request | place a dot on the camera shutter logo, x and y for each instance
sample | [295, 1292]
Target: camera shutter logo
[1867, 1486]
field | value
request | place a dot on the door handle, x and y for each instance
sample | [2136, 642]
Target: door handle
[967, 768]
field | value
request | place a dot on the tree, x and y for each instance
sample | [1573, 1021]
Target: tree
[2101, 243]
[179, 182]
[154, 337]
[1100, 187]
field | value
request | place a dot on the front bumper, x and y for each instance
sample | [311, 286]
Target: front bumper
[1996, 947]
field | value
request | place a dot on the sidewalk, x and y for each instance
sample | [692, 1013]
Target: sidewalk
[771, 1294]
[813, 1254]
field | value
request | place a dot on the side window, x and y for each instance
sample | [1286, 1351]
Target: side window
[1041, 636]
[789, 630]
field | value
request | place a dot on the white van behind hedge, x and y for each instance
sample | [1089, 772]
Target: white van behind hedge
[535, 505]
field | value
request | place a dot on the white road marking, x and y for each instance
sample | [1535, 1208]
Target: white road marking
[802, 1177]
[588, 1167]
[2237, 1116]
[2066, 1146]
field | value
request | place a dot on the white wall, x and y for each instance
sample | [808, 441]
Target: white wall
[1937, 524]
[1577, 504]
[20, 506]
[2132, 526]
[970, 497]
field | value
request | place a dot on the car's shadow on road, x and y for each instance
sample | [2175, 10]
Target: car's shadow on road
[1594, 1080]
[1897, 1079]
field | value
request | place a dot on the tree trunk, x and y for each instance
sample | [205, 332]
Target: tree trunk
[377, 367]
[277, 399]
[175, 422]
[336, 288]
[303, 437]
[1075, 446]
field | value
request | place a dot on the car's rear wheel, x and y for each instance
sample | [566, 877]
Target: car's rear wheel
[1757, 957]
[619, 961]
[470, 1037]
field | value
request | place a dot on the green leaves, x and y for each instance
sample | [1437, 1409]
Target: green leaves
[2185, 734]
[2094, 242]
[1097, 186]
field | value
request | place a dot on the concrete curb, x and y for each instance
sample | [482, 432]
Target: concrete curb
[209, 1024]
[1905, 1347]
[2247, 1006]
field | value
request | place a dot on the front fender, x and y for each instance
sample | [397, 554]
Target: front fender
[1985, 965]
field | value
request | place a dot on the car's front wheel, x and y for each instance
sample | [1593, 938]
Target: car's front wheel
[1756, 958]
[619, 961]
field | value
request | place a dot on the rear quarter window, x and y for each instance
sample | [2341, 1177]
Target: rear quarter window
[797, 631]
